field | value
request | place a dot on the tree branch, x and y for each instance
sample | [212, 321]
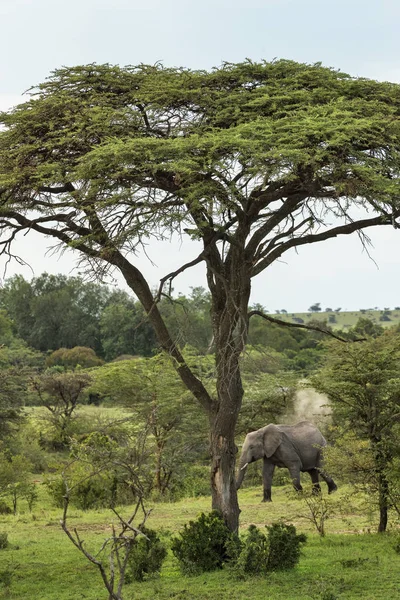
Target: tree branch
[346, 229]
[280, 322]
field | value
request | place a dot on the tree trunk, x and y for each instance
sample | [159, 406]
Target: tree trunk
[223, 484]
[222, 432]
[383, 502]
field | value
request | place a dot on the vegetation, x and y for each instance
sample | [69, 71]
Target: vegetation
[349, 561]
[102, 157]
[203, 545]
[363, 383]
[259, 554]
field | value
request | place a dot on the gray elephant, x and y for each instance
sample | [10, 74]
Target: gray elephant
[295, 447]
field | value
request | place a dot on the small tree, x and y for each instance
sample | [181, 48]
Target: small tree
[315, 307]
[15, 480]
[60, 393]
[118, 548]
[157, 399]
[363, 384]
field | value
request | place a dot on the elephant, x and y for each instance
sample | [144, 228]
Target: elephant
[296, 447]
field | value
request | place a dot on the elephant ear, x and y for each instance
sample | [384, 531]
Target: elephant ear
[272, 438]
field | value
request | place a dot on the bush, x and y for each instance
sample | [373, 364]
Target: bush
[146, 556]
[4, 508]
[259, 553]
[252, 557]
[203, 544]
[3, 540]
[284, 547]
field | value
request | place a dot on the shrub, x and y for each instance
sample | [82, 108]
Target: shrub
[4, 508]
[203, 544]
[3, 540]
[284, 547]
[260, 553]
[252, 557]
[145, 557]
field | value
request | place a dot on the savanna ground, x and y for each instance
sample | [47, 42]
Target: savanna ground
[351, 561]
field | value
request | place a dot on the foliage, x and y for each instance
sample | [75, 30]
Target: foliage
[363, 383]
[146, 556]
[55, 311]
[18, 364]
[188, 319]
[319, 511]
[15, 482]
[70, 358]
[88, 491]
[158, 401]
[366, 327]
[267, 398]
[284, 546]
[252, 557]
[258, 554]
[202, 545]
[60, 393]
[125, 329]
[3, 540]
[103, 471]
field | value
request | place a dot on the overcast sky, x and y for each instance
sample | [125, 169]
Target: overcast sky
[360, 37]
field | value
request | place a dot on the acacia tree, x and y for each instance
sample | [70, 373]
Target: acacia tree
[252, 159]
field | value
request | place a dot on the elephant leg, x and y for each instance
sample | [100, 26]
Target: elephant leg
[332, 487]
[268, 471]
[295, 477]
[316, 488]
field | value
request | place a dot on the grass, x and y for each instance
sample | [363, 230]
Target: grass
[350, 562]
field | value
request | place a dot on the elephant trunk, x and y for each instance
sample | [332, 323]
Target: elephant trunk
[242, 472]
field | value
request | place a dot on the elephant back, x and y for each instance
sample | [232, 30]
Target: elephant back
[304, 432]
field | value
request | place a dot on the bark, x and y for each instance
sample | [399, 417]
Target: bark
[383, 503]
[230, 324]
[223, 450]
[382, 459]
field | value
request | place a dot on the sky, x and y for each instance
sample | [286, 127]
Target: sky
[360, 37]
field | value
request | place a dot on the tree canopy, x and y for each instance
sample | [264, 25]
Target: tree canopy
[252, 159]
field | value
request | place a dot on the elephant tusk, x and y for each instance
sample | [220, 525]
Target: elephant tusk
[244, 466]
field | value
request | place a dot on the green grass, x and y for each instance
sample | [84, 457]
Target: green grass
[345, 319]
[350, 561]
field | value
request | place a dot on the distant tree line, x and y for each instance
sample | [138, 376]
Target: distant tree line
[51, 312]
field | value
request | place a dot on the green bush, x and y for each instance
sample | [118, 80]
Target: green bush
[203, 544]
[145, 557]
[259, 553]
[3, 540]
[284, 547]
[4, 508]
[253, 552]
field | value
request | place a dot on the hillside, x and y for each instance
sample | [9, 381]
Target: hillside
[344, 319]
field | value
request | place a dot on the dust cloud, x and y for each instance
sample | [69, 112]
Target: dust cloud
[309, 405]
